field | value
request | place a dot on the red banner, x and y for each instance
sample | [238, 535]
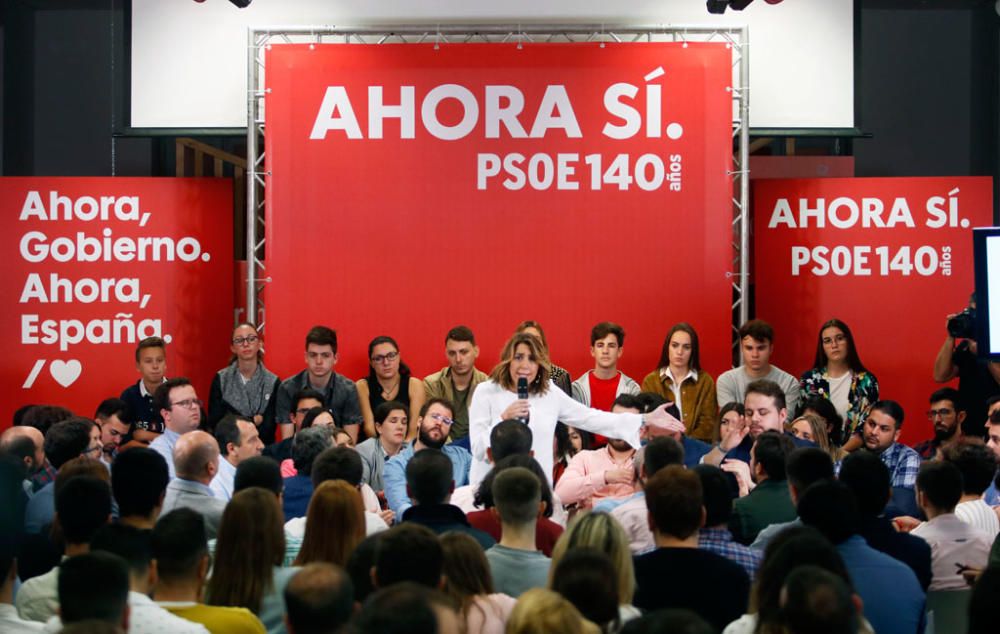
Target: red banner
[416, 187]
[891, 257]
[97, 265]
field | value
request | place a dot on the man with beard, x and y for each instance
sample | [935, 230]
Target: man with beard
[946, 414]
[881, 433]
[112, 418]
[433, 425]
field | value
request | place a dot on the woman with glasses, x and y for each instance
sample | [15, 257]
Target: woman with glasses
[839, 376]
[245, 387]
[388, 379]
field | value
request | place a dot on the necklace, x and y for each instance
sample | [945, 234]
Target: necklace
[386, 393]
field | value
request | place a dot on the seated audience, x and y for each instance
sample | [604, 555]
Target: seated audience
[542, 611]
[238, 440]
[467, 580]
[795, 547]
[645, 402]
[769, 502]
[595, 474]
[632, 514]
[714, 536]
[599, 531]
[196, 460]
[334, 505]
[507, 438]
[955, 545]
[805, 466]
[83, 505]
[307, 445]
[456, 382]
[680, 378]
[867, 477]
[389, 379]
[359, 567]
[179, 406]
[547, 530]
[112, 417]
[133, 545]
[94, 587]
[811, 427]
[976, 464]
[407, 608]
[881, 432]
[258, 472]
[337, 393]
[301, 403]
[676, 512]
[391, 422]
[65, 440]
[27, 444]
[756, 345]
[247, 572]
[317, 417]
[586, 578]
[599, 387]
[339, 463]
[139, 479]
[179, 547]
[408, 552]
[824, 410]
[429, 484]
[992, 494]
[515, 562]
[947, 413]
[815, 601]
[892, 597]
[319, 599]
[245, 388]
[433, 426]
[144, 415]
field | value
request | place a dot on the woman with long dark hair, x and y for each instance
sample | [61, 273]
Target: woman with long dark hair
[678, 377]
[389, 379]
[245, 387]
[839, 376]
[249, 550]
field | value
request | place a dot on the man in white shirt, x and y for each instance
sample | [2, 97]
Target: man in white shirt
[92, 587]
[978, 467]
[180, 408]
[955, 545]
[238, 440]
[756, 344]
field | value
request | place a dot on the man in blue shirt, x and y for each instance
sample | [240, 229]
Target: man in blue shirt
[180, 407]
[992, 494]
[433, 425]
[892, 597]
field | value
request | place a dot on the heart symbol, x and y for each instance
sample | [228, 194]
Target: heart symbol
[65, 372]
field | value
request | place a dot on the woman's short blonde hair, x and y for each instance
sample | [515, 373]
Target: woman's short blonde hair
[541, 611]
[601, 532]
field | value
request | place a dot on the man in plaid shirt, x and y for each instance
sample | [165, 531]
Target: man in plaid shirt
[881, 433]
[715, 536]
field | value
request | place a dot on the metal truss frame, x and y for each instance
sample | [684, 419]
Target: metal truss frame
[261, 39]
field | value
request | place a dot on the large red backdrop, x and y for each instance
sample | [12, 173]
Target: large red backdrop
[891, 257]
[97, 264]
[412, 188]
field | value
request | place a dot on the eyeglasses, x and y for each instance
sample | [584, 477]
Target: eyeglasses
[388, 356]
[441, 418]
[188, 403]
[249, 339]
[943, 412]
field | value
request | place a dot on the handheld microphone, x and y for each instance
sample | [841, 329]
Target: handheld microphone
[522, 393]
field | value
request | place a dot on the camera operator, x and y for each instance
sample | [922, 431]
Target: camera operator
[978, 379]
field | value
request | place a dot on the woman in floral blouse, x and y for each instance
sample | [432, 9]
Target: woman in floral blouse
[839, 376]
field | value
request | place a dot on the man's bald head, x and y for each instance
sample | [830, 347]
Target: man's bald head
[27, 443]
[196, 457]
